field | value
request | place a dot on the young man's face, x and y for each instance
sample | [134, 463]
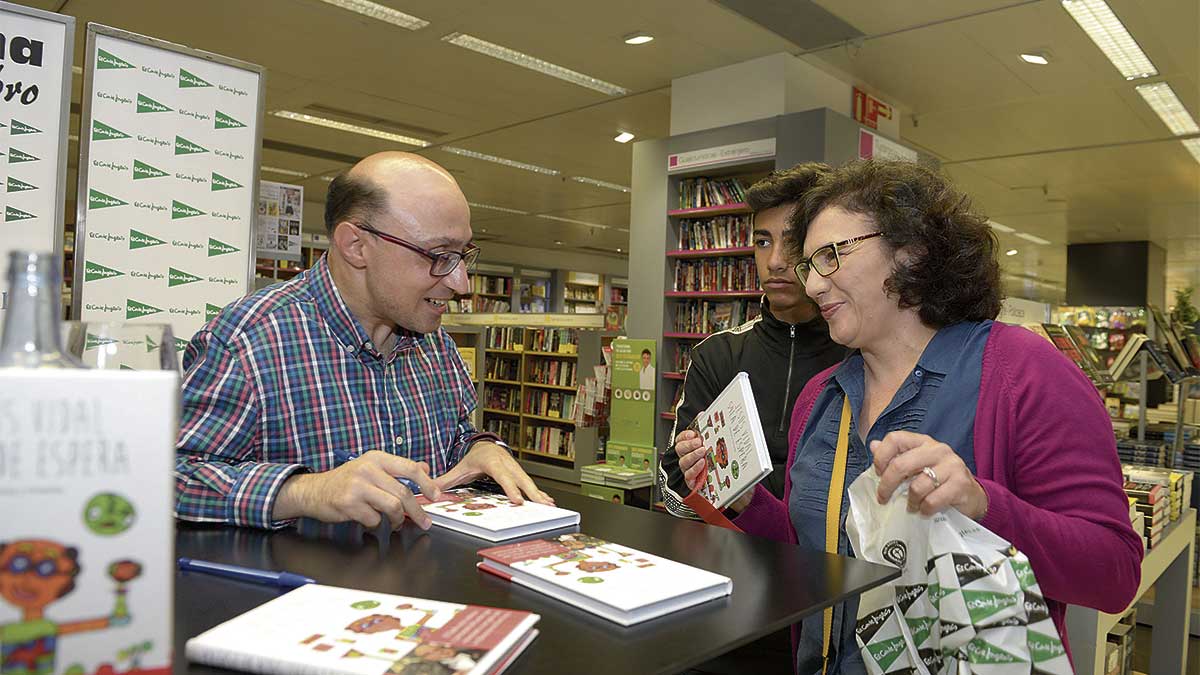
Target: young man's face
[775, 270]
[645, 360]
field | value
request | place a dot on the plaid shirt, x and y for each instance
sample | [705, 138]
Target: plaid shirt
[283, 377]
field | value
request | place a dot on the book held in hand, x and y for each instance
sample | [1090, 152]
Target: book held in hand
[621, 584]
[325, 629]
[737, 452]
[492, 516]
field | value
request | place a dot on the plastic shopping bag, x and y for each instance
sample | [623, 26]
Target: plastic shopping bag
[966, 601]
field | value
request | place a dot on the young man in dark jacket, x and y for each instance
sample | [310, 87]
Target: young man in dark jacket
[780, 349]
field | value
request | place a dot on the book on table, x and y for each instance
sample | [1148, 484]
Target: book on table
[492, 516]
[619, 583]
[736, 449]
[325, 629]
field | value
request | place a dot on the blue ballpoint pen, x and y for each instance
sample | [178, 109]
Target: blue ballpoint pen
[279, 579]
[344, 457]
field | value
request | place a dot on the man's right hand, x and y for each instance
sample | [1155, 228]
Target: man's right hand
[690, 449]
[359, 490]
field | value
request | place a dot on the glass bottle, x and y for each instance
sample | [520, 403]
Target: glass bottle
[32, 336]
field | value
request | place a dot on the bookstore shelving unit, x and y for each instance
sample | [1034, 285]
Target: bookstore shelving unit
[535, 288]
[469, 340]
[491, 291]
[582, 293]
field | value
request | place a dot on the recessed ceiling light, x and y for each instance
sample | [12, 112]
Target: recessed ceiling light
[352, 128]
[379, 12]
[1000, 228]
[1162, 100]
[638, 38]
[1036, 58]
[503, 209]
[1032, 238]
[623, 137]
[483, 230]
[1011, 251]
[500, 160]
[533, 63]
[600, 183]
[283, 172]
[619, 251]
[1096, 19]
[570, 220]
[559, 243]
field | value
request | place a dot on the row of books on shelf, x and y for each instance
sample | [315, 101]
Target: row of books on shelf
[508, 338]
[499, 367]
[550, 404]
[701, 191]
[1174, 357]
[696, 234]
[703, 316]
[502, 398]
[683, 357]
[557, 340]
[482, 283]
[550, 440]
[552, 371]
[1157, 497]
[479, 305]
[581, 294]
[507, 429]
[715, 274]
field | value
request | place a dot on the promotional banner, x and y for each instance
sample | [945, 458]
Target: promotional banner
[633, 382]
[280, 212]
[168, 182]
[36, 49]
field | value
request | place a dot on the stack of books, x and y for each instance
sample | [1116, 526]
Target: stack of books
[1189, 458]
[1137, 520]
[1146, 454]
[1150, 500]
[1176, 484]
[616, 476]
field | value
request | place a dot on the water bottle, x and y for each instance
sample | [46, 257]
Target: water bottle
[32, 336]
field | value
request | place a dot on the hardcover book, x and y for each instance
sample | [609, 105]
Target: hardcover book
[492, 516]
[324, 629]
[621, 584]
[737, 453]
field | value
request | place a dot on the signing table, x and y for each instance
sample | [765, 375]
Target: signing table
[774, 584]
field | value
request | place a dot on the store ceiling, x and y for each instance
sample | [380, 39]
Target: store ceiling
[1067, 152]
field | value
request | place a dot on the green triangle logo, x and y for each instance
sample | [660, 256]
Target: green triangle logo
[16, 156]
[19, 128]
[216, 248]
[93, 341]
[982, 604]
[220, 182]
[11, 214]
[919, 628]
[99, 200]
[181, 210]
[143, 240]
[180, 344]
[145, 104]
[1043, 647]
[210, 311]
[143, 170]
[179, 277]
[108, 61]
[151, 345]
[189, 80]
[135, 309]
[94, 272]
[125, 367]
[103, 132]
[185, 147]
[223, 121]
[885, 652]
[15, 185]
[981, 651]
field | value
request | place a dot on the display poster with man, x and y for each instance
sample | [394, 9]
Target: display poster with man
[633, 385]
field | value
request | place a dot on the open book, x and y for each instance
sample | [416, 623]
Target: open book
[492, 516]
[737, 452]
[325, 629]
[616, 582]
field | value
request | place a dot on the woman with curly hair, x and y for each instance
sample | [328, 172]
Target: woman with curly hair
[986, 418]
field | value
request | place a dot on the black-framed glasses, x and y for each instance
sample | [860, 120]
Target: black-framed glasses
[828, 259]
[442, 263]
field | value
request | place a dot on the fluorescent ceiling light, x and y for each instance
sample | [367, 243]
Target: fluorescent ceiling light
[502, 209]
[1193, 146]
[1036, 58]
[638, 38]
[600, 183]
[577, 222]
[558, 243]
[327, 179]
[379, 12]
[500, 160]
[1163, 101]
[1096, 19]
[1000, 228]
[352, 128]
[1011, 251]
[283, 172]
[533, 63]
[621, 229]
[623, 137]
[1032, 238]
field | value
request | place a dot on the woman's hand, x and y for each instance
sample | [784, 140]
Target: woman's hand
[940, 478]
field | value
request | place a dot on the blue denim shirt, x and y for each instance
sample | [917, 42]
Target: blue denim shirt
[938, 399]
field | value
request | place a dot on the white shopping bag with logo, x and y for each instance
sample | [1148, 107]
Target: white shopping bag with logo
[966, 601]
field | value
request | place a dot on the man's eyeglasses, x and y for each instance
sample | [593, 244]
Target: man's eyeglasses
[442, 263]
[828, 259]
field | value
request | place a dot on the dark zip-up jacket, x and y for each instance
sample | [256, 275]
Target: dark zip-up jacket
[779, 357]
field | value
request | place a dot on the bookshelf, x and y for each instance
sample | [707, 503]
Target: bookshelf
[469, 340]
[491, 291]
[535, 289]
[582, 293]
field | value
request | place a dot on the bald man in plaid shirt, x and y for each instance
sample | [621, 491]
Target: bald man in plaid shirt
[312, 397]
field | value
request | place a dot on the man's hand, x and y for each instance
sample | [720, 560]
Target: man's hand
[488, 459]
[359, 490]
[690, 449]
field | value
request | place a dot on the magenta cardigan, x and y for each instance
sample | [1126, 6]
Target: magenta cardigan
[1046, 456]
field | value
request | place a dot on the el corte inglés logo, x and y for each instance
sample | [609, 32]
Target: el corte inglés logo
[185, 147]
[94, 272]
[181, 210]
[103, 132]
[180, 344]
[99, 200]
[223, 121]
[15, 185]
[135, 309]
[188, 80]
[108, 61]
[11, 214]
[19, 128]
[143, 240]
[220, 182]
[16, 156]
[93, 341]
[216, 248]
[179, 277]
[210, 310]
[145, 104]
[143, 170]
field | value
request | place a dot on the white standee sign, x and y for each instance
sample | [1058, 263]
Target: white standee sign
[280, 213]
[168, 182]
[36, 49]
